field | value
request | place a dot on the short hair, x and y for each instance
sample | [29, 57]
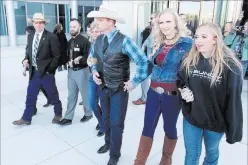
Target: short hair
[29, 29]
[75, 19]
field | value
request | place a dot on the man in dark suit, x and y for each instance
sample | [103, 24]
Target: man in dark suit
[41, 58]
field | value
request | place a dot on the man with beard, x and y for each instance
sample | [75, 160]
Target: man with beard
[78, 73]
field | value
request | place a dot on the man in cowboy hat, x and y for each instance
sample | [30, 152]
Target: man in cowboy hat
[111, 55]
[41, 58]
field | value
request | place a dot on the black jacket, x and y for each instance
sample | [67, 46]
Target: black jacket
[81, 48]
[47, 55]
[63, 48]
[217, 108]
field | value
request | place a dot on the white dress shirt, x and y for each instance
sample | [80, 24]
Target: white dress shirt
[40, 34]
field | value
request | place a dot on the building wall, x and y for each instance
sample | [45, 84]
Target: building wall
[54, 11]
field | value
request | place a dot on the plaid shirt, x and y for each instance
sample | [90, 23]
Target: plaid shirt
[130, 48]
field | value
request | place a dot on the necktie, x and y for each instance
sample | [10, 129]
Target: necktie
[71, 49]
[105, 43]
[36, 45]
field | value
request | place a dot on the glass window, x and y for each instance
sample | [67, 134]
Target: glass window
[87, 20]
[80, 16]
[50, 14]
[33, 7]
[208, 11]
[2, 20]
[192, 13]
[64, 17]
[20, 17]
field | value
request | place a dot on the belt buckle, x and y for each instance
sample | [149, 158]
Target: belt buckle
[159, 90]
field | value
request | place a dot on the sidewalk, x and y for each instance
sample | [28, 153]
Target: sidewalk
[43, 143]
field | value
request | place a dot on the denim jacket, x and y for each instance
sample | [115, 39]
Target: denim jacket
[231, 39]
[245, 47]
[167, 72]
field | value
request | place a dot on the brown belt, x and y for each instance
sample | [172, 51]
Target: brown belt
[161, 90]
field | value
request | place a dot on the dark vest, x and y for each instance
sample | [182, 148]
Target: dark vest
[113, 66]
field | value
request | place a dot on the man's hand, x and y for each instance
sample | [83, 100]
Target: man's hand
[70, 64]
[76, 60]
[96, 78]
[128, 86]
[25, 64]
[92, 61]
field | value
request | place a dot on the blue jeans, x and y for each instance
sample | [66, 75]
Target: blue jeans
[48, 83]
[245, 64]
[156, 104]
[114, 108]
[145, 88]
[93, 102]
[193, 144]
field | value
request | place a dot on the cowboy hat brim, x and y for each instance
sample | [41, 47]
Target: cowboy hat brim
[105, 14]
[29, 20]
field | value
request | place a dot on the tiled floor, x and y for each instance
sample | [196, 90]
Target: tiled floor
[43, 143]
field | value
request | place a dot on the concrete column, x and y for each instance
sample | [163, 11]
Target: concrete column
[74, 9]
[11, 22]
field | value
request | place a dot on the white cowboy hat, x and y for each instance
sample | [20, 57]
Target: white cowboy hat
[37, 17]
[106, 12]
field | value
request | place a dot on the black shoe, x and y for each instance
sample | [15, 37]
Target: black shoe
[86, 118]
[35, 111]
[65, 122]
[103, 149]
[113, 161]
[97, 127]
[100, 133]
[81, 103]
[47, 104]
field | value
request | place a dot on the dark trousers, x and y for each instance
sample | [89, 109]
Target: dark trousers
[156, 104]
[44, 92]
[48, 83]
[94, 102]
[114, 107]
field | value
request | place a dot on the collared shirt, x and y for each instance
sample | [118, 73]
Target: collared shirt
[130, 48]
[40, 34]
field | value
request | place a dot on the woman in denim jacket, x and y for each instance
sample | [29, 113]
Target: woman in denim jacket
[230, 36]
[244, 58]
[163, 97]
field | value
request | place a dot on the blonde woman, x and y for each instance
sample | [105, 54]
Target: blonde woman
[210, 83]
[93, 94]
[163, 96]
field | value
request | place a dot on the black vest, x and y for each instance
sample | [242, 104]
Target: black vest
[113, 66]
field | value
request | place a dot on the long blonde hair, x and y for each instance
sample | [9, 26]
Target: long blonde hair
[157, 33]
[221, 55]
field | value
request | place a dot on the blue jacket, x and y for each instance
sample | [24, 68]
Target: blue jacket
[167, 73]
[245, 47]
[231, 39]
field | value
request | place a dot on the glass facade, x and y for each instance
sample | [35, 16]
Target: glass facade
[82, 15]
[50, 13]
[20, 17]
[3, 30]
[53, 12]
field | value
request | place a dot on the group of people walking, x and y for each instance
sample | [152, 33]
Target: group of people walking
[201, 77]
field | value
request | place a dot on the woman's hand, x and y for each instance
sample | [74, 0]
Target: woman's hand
[186, 94]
